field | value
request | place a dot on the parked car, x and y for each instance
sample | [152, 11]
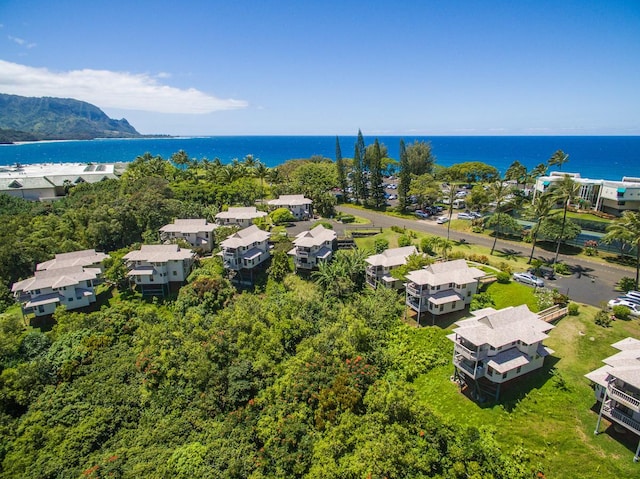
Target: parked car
[633, 307]
[528, 278]
[634, 295]
[421, 214]
[392, 197]
[442, 220]
[476, 214]
[465, 216]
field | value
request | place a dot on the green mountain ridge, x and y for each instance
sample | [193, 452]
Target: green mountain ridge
[47, 118]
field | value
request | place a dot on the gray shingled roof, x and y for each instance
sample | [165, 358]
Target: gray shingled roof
[499, 328]
[56, 278]
[245, 237]
[85, 257]
[624, 365]
[241, 213]
[159, 253]
[290, 200]
[392, 257]
[457, 272]
[314, 237]
[192, 225]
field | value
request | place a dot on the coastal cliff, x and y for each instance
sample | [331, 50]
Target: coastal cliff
[32, 119]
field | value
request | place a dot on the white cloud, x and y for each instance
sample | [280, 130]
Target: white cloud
[107, 89]
[21, 41]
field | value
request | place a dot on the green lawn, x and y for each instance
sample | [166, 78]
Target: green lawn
[550, 424]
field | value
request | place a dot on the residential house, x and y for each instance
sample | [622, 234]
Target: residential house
[88, 258]
[617, 388]
[239, 216]
[608, 196]
[380, 266]
[300, 207]
[197, 232]
[442, 288]
[314, 246]
[70, 286]
[245, 250]
[497, 346]
[159, 269]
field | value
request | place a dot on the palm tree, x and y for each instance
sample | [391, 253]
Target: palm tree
[629, 223]
[498, 193]
[261, 172]
[558, 159]
[616, 233]
[540, 209]
[451, 198]
[564, 191]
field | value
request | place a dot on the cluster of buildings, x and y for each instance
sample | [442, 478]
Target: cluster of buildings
[490, 348]
[607, 196]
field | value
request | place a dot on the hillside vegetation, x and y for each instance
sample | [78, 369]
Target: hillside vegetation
[28, 119]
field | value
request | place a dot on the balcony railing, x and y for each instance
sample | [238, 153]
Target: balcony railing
[466, 352]
[478, 373]
[624, 398]
[613, 413]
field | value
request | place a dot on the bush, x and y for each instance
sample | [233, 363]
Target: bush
[479, 258]
[621, 312]
[561, 268]
[398, 229]
[404, 240]
[573, 309]
[380, 245]
[626, 284]
[347, 218]
[505, 267]
[480, 301]
[326, 224]
[281, 216]
[603, 319]
[457, 255]
[503, 277]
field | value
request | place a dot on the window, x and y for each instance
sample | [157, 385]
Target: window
[175, 273]
[504, 376]
[490, 371]
[519, 369]
[70, 299]
[464, 286]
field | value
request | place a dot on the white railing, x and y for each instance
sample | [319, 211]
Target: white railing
[623, 397]
[621, 418]
[466, 352]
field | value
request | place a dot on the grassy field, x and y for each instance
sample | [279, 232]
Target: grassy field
[548, 416]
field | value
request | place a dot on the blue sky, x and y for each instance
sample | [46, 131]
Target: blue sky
[331, 67]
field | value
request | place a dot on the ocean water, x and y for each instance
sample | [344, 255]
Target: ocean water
[608, 157]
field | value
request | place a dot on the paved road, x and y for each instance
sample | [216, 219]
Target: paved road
[591, 283]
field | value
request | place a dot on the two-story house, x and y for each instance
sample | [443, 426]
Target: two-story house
[198, 232]
[159, 269]
[380, 266]
[88, 258]
[442, 288]
[241, 216]
[70, 286]
[496, 346]
[617, 388]
[312, 247]
[245, 250]
[300, 207]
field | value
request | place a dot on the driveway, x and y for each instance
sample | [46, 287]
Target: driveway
[591, 283]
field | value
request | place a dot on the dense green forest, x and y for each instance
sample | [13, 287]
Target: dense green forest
[28, 119]
[287, 380]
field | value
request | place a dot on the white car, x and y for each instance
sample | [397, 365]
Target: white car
[442, 220]
[465, 216]
[633, 295]
[633, 307]
[528, 278]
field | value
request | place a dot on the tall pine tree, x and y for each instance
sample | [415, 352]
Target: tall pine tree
[357, 174]
[375, 165]
[404, 177]
[364, 175]
[342, 170]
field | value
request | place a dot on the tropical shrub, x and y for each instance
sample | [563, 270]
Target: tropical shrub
[404, 240]
[479, 258]
[380, 245]
[398, 229]
[621, 312]
[347, 218]
[603, 319]
[626, 284]
[480, 301]
[506, 267]
[457, 255]
[561, 268]
[573, 309]
[503, 277]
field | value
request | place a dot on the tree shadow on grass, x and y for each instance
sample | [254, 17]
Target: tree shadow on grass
[510, 253]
